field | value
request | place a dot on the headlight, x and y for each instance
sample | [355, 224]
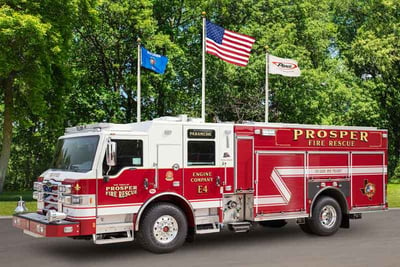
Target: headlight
[76, 200]
[65, 189]
[37, 186]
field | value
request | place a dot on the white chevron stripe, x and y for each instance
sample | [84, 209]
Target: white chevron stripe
[281, 186]
[277, 175]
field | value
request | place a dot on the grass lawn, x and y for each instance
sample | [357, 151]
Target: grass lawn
[7, 207]
[394, 195]
[8, 202]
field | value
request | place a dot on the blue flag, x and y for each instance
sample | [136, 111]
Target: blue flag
[154, 62]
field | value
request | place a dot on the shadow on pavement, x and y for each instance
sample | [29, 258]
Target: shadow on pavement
[85, 251]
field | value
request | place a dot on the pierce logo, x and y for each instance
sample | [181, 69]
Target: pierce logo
[285, 65]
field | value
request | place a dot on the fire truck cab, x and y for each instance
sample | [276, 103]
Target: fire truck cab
[163, 181]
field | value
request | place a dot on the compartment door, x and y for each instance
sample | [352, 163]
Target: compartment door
[368, 179]
[244, 171]
[280, 182]
[169, 168]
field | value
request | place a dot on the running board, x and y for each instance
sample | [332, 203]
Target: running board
[240, 227]
[101, 239]
[207, 228]
[113, 227]
[280, 216]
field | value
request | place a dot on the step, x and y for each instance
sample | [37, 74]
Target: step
[207, 228]
[206, 219]
[240, 227]
[98, 239]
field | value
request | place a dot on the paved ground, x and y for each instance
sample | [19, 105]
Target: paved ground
[372, 241]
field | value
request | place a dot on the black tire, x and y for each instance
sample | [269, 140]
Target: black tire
[274, 224]
[326, 218]
[160, 216]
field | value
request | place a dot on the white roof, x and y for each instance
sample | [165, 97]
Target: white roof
[143, 127]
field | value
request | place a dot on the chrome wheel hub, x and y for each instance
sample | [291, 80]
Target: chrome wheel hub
[165, 229]
[328, 216]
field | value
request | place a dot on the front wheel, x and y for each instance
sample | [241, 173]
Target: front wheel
[163, 228]
[326, 218]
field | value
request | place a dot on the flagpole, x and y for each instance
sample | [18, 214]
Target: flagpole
[138, 102]
[203, 74]
[266, 83]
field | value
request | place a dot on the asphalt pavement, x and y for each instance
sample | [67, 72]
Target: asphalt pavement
[371, 241]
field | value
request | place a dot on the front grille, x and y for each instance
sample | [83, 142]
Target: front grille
[50, 195]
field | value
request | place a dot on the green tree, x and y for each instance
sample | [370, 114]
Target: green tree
[369, 40]
[104, 61]
[303, 30]
[348, 52]
[34, 37]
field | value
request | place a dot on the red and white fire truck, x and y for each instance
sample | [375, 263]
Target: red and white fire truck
[163, 181]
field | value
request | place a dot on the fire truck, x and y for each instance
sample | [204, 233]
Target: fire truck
[162, 182]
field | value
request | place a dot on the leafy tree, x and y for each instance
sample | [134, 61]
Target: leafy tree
[69, 62]
[34, 37]
[104, 61]
[369, 40]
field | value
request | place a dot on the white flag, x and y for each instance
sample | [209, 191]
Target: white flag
[283, 66]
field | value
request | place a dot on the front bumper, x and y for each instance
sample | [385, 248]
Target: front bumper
[37, 225]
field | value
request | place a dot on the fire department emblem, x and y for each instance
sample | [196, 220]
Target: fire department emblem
[169, 176]
[77, 187]
[369, 189]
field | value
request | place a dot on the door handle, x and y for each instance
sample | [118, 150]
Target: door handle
[218, 181]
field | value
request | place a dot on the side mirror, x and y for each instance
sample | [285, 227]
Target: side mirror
[111, 154]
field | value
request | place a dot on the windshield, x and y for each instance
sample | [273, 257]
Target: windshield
[75, 154]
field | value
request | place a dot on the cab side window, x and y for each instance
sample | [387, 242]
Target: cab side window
[129, 154]
[201, 153]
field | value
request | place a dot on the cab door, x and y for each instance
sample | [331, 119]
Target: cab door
[129, 181]
[203, 175]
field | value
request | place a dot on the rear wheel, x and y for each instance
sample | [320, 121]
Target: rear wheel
[326, 217]
[163, 228]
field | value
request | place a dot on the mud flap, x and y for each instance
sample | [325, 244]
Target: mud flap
[345, 221]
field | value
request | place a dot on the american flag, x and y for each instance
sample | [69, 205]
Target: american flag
[229, 46]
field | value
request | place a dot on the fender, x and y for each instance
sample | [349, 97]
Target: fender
[336, 190]
[150, 200]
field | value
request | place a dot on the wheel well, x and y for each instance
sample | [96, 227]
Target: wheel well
[335, 194]
[169, 198]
